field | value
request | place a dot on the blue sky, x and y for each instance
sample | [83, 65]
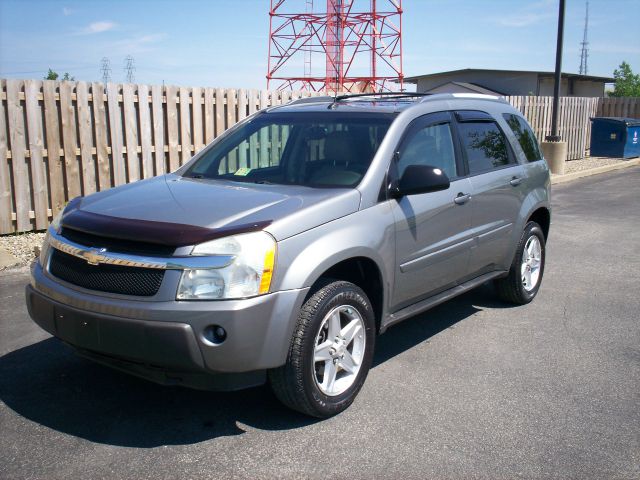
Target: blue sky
[224, 42]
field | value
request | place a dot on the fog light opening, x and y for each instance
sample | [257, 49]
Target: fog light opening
[215, 334]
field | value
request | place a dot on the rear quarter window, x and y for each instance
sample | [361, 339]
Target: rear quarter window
[526, 137]
[485, 146]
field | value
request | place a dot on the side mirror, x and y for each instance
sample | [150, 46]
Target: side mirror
[421, 179]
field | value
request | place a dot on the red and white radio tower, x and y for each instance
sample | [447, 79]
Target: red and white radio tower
[357, 45]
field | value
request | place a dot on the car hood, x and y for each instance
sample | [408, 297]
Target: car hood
[156, 206]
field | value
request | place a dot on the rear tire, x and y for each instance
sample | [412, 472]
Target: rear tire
[330, 353]
[525, 275]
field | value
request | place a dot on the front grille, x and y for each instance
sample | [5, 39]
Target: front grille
[116, 244]
[105, 278]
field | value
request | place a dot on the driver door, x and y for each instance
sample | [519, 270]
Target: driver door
[433, 230]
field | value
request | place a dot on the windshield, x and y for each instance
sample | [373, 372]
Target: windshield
[326, 149]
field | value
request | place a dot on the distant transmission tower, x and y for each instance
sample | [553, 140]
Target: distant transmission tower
[584, 54]
[105, 69]
[129, 68]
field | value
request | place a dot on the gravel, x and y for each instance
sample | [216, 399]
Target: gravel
[22, 246]
[590, 162]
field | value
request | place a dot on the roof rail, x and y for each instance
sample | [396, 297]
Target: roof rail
[478, 96]
[319, 98]
[339, 98]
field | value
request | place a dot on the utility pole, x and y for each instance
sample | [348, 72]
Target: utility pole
[129, 68]
[553, 148]
[105, 69]
[554, 137]
[584, 54]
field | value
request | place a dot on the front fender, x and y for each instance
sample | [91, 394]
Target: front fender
[303, 258]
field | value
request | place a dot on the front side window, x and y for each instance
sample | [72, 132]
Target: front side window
[485, 146]
[328, 149]
[431, 145]
[526, 137]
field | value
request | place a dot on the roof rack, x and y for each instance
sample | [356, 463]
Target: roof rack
[318, 98]
[339, 98]
[478, 96]
[423, 97]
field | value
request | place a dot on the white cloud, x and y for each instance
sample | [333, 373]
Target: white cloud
[66, 11]
[97, 27]
[153, 38]
[529, 14]
[523, 19]
[138, 44]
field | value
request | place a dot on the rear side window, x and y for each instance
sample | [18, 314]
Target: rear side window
[525, 136]
[431, 145]
[485, 146]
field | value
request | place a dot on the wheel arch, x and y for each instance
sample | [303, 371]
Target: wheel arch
[362, 271]
[542, 216]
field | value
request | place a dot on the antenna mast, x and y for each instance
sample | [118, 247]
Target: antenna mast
[584, 54]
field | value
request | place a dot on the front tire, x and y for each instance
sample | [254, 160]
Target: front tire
[330, 353]
[525, 275]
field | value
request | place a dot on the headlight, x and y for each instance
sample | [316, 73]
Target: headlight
[248, 275]
[44, 250]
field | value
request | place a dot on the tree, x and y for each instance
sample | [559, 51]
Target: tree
[51, 75]
[627, 83]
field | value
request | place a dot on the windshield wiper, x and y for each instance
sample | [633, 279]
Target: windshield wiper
[263, 182]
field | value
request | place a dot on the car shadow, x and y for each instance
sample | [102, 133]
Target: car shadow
[407, 334]
[48, 384]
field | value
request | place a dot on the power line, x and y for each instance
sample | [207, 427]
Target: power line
[584, 53]
[129, 68]
[105, 69]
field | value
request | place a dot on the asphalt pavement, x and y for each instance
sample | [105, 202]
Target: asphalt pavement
[474, 388]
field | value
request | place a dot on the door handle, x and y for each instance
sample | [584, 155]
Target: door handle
[462, 198]
[515, 181]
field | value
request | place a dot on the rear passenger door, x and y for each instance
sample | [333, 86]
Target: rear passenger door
[496, 190]
[433, 230]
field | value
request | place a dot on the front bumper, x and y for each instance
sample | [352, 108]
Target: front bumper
[166, 341]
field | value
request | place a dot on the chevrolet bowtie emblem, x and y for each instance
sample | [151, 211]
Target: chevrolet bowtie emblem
[94, 256]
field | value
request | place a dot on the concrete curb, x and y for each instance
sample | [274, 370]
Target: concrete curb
[555, 179]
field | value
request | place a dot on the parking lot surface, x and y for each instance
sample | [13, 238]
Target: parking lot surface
[471, 389]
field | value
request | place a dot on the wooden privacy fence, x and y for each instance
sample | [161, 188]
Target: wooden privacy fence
[574, 125]
[619, 107]
[59, 140]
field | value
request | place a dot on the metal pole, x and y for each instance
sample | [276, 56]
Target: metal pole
[554, 137]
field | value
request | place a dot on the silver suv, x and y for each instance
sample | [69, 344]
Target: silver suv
[285, 247]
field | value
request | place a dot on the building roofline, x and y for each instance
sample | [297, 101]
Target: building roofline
[415, 78]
